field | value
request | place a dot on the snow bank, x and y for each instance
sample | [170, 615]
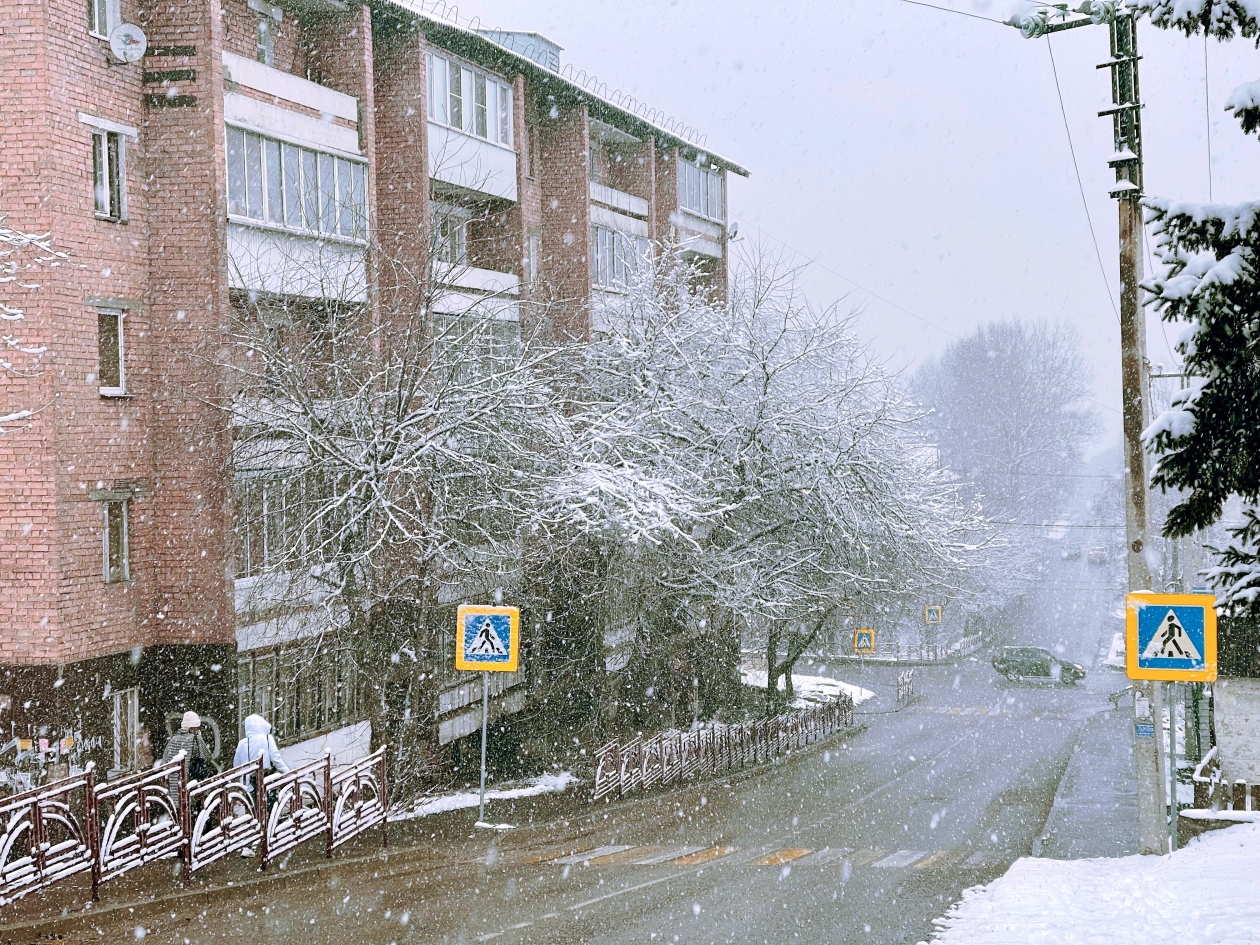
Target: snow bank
[1115, 655]
[810, 690]
[461, 800]
[1208, 892]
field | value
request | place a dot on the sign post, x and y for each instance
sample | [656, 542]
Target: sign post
[1169, 638]
[487, 639]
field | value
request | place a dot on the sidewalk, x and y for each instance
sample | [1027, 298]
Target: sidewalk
[1095, 808]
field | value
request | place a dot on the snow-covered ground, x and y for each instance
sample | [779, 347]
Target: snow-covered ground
[1208, 892]
[1115, 655]
[809, 690]
[461, 800]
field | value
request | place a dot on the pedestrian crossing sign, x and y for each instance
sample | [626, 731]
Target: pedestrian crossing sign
[1170, 637]
[487, 638]
[863, 641]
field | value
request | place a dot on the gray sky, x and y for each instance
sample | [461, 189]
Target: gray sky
[917, 152]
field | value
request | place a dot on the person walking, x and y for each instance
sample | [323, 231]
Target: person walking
[188, 740]
[258, 742]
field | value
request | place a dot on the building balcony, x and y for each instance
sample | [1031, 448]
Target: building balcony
[618, 200]
[471, 163]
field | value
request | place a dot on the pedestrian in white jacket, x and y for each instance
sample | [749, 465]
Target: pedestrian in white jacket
[258, 741]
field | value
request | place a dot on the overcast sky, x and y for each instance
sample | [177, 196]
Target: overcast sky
[920, 154]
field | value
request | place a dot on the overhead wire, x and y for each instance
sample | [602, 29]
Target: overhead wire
[1076, 166]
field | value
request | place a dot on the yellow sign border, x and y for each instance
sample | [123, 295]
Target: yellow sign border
[855, 638]
[1205, 601]
[514, 644]
[940, 614]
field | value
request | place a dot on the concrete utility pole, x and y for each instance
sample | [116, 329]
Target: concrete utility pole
[1126, 114]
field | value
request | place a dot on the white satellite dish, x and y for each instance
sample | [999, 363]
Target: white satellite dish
[127, 42]
[732, 231]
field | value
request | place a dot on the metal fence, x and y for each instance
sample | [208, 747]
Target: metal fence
[641, 764]
[77, 825]
[905, 687]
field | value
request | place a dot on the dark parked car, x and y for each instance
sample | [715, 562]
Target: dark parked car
[1035, 662]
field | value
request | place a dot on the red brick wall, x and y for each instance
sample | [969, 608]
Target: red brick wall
[240, 35]
[564, 134]
[187, 304]
[402, 175]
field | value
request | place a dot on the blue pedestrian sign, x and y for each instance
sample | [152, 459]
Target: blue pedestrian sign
[488, 638]
[863, 641]
[1171, 637]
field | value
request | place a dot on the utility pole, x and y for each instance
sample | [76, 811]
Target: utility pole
[1126, 115]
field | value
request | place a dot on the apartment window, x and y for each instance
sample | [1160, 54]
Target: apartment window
[102, 17]
[533, 249]
[117, 566]
[700, 190]
[615, 256]
[295, 188]
[265, 40]
[111, 359]
[126, 729]
[451, 236]
[469, 100]
[271, 522]
[303, 690]
[108, 175]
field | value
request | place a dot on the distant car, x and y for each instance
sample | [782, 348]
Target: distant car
[1098, 555]
[1071, 553]
[1035, 662]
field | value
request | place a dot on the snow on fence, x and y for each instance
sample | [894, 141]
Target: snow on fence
[77, 825]
[1211, 790]
[905, 687]
[641, 764]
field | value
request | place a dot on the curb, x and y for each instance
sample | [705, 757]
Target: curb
[1058, 792]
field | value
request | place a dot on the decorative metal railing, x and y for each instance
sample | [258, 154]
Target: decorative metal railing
[905, 688]
[642, 764]
[46, 836]
[77, 825]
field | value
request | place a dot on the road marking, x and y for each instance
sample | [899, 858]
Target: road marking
[967, 712]
[622, 892]
[863, 857]
[674, 854]
[625, 856]
[939, 859]
[955, 711]
[825, 855]
[900, 858]
[779, 857]
[589, 855]
[704, 856]
[551, 855]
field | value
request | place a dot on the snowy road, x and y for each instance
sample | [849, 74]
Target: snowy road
[878, 830]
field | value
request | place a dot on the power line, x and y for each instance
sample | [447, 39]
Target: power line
[1207, 110]
[813, 261]
[1072, 148]
[974, 16]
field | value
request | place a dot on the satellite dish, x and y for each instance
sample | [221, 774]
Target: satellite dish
[732, 231]
[127, 42]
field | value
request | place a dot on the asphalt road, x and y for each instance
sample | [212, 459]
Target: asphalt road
[866, 838]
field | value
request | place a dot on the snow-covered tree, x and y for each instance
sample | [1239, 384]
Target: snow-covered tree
[1204, 443]
[1010, 416]
[778, 478]
[20, 254]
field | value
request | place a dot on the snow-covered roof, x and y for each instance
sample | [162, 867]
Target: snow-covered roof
[608, 105]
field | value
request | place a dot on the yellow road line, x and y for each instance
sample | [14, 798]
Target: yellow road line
[704, 856]
[624, 856]
[779, 857]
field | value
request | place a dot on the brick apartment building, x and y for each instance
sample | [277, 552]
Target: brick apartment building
[257, 149]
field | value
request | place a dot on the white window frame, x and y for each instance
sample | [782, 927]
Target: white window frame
[112, 17]
[126, 722]
[121, 389]
[710, 190]
[110, 577]
[102, 130]
[444, 213]
[310, 224]
[496, 109]
[615, 256]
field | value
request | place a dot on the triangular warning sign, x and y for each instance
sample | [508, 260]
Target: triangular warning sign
[1171, 642]
[487, 642]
